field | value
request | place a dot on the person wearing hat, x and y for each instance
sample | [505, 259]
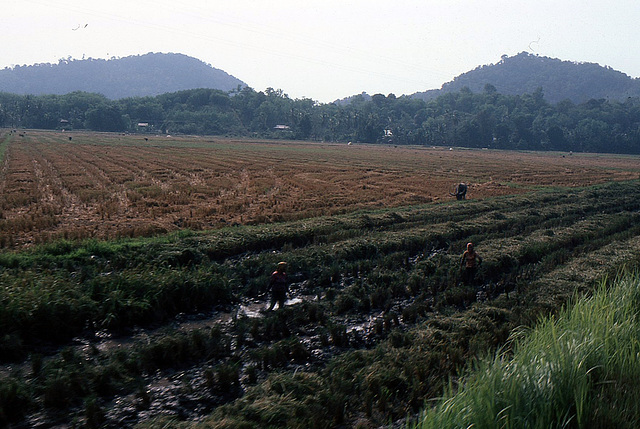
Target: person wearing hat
[470, 262]
[278, 286]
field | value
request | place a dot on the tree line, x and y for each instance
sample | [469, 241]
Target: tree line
[462, 119]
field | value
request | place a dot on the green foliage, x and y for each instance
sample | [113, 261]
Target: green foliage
[561, 80]
[15, 400]
[487, 119]
[382, 325]
[573, 370]
[105, 117]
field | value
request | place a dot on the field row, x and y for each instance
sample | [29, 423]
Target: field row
[109, 185]
[380, 322]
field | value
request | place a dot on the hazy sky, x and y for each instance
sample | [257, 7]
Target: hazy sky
[326, 49]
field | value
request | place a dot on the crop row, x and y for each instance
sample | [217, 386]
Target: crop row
[109, 186]
[389, 321]
[145, 275]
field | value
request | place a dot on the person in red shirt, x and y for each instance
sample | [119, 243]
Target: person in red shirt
[278, 285]
[470, 262]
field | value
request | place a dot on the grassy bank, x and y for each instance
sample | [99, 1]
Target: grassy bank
[579, 369]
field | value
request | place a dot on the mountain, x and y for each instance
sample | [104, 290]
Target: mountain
[559, 80]
[141, 75]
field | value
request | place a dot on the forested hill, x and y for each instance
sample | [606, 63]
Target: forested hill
[142, 75]
[559, 80]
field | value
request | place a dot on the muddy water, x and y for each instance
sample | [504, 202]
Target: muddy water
[186, 395]
[182, 322]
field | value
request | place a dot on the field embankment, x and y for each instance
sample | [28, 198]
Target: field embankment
[147, 331]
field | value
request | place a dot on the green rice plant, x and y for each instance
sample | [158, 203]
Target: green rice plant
[228, 377]
[311, 312]
[66, 379]
[283, 400]
[61, 390]
[458, 296]
[354, 298]
[171, 349]
[417, 310]
[16, 399]
[338, 334]
[281, 353]
[558, 373]
[162, 422]
[275, 326]
[94, 413]
[12, 346]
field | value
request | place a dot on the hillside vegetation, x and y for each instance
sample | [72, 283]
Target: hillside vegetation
[135, 76]
[380, 324]
[560, 80]
[157, 73]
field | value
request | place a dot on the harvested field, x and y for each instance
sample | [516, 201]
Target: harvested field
[111, 185]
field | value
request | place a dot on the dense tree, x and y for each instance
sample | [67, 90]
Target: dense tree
[488, 119]
[105, 117]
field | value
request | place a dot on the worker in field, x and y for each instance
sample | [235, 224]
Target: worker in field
[469, 263]
[278, 285]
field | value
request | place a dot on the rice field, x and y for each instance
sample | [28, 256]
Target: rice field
[57, 185]
[133, 273]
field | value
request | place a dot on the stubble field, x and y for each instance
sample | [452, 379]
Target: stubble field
[57, 185]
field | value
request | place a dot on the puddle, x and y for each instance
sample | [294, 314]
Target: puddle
[256, 309]
[187, 393]
[250, 309]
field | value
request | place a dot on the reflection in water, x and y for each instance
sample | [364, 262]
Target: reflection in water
[257, 309]
[254, 309]
[251, 310]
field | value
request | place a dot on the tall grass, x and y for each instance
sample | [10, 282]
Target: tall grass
[578, 370]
